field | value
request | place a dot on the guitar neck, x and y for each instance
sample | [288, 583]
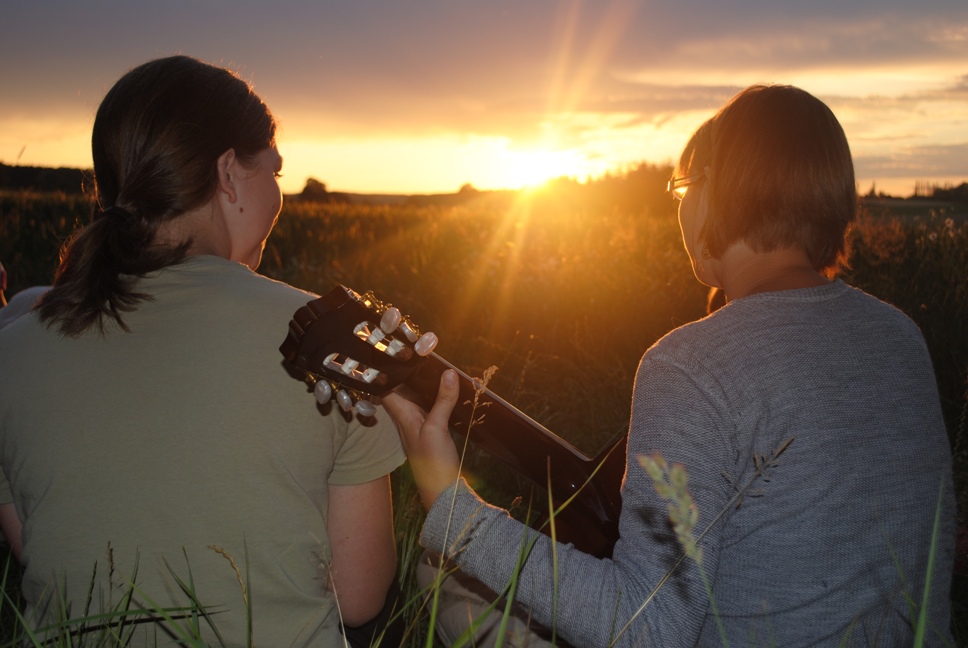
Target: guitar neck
[528, 447]
[339, 326]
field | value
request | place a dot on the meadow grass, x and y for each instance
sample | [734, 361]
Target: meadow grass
[121, 613]
[563, 293]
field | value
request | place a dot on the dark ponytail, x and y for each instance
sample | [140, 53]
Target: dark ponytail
[98, 269]
[156, 141]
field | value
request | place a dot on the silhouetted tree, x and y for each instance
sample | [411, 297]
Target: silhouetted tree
[315, 190]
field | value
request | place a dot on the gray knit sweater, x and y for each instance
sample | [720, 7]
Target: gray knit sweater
[829, 543]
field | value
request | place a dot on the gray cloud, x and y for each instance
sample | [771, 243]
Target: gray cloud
[916, 161]
[507, 76]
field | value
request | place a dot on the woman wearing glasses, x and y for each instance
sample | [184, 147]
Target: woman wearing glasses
[804, 412]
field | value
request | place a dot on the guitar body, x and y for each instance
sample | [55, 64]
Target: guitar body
[332, 325]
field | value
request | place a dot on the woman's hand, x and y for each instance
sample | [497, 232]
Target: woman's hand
[426, 438]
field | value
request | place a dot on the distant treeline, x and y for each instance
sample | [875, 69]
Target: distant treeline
[44, 179]
[953, 194]
[641, 184]
[631, 186]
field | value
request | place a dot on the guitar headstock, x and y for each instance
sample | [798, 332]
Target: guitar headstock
[353, 345]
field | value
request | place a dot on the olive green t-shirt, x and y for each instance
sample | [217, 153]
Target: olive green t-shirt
[181, 455]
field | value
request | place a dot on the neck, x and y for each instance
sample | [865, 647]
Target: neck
[201, 226]
[745, 272]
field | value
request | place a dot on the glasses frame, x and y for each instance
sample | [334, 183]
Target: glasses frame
[676, 184]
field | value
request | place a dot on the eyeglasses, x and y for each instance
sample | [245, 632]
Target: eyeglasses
[677, 186]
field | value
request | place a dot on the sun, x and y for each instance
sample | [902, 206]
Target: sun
[532, 168]
[429, 165]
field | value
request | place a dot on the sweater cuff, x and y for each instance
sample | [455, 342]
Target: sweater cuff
[452, 519]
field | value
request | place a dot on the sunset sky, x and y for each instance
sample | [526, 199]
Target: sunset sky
[419, 96]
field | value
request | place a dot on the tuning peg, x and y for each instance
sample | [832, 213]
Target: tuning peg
[345, 400]
[330, 362]
[395, 347]
[391, 319]
[425, 344]
[376, 336]
[322, 391]
[365, 408]
[408, 330]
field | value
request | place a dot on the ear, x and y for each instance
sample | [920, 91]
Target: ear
[228, 170]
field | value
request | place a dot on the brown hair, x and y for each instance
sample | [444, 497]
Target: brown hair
[780, 175]
[157, 137]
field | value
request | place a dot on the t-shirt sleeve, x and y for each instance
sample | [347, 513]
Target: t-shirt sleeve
[371, 450]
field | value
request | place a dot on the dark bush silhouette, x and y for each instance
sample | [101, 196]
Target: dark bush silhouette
[316, 191]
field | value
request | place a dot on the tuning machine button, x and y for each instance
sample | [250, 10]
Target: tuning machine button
[425, 344]
[391, 319]
[365, 408]
[323, 391]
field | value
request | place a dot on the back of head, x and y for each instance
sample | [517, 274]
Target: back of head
[161, 128]
[157, 137]
[780, 174]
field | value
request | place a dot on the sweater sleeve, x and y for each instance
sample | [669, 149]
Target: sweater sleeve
[626, 600]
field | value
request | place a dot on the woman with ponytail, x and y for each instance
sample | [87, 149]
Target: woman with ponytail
[149, 433]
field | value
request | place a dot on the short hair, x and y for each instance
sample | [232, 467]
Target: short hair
[780, 175]
[156, 141]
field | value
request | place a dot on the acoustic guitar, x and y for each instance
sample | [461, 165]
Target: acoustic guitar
[340, 344]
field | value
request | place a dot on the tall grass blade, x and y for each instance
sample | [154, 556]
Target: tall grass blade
[922, 626]
[554, 558]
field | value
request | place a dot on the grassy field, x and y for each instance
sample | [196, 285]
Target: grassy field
[562, 290]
